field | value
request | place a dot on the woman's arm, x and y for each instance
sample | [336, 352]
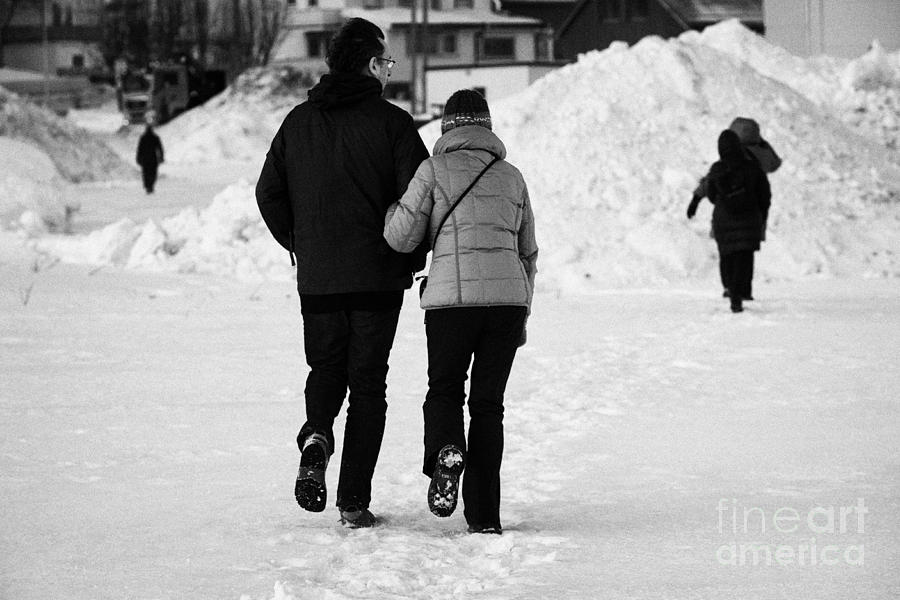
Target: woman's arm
[528, 249]
[406, 222]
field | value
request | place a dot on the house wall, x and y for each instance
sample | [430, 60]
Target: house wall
[497, 82]
[553, 14]
[587, 31]
[843, 28]
[24, 49]
[30, 56]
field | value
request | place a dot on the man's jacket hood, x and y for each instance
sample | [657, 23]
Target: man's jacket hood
[344, 89]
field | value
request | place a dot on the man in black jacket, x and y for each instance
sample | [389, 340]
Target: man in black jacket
[336, 164]
[149, 157]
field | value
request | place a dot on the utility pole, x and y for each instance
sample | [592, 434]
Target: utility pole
[425, 45]
[413, 48]
[45, 43]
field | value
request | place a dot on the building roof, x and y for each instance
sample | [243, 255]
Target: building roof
[503, 3]
[712, 11]
[387, 17]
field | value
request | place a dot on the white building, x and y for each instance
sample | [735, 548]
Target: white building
[73, 33]
[844, 28]
[469, 45]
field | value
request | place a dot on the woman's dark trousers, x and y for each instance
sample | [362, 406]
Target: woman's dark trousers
[726, 273]
[349, 349]
[486, 337]
[738, 267]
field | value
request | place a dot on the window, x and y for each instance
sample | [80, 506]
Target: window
[290, 2]
[448, 45]
[436, 5]
[542, 46]
[404, 3]
[313, 3]
[397, 91]
[464, 4]
[612, 10]
[78, 61]
[57, 14]
[70, 19]
[315, 43]
[434, 43]
[640, 10]
[498, 47]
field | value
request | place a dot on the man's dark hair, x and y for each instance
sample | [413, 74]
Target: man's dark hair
[353, 45]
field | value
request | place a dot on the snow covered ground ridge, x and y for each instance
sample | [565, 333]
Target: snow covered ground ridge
[612, 165]
[77, 154]
[227, 237]
[239, 123]
[611, 148]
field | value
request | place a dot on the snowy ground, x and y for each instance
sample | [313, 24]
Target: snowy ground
[151, 364]
[148, 425]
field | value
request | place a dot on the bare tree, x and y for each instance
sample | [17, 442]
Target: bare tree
[271, 17]
[246, 31]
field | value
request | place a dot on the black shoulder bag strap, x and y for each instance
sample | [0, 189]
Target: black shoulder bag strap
[440, 226]
[461, 196]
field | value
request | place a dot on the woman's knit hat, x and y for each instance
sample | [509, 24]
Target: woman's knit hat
[465, 107]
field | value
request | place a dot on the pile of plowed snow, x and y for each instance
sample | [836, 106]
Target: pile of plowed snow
[78, 155]
[227, 237]
[239, 123]
[612, 147]
[32, 195]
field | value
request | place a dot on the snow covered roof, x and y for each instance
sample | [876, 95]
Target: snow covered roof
[712, 11]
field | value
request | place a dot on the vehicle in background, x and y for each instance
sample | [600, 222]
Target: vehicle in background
[166, 90]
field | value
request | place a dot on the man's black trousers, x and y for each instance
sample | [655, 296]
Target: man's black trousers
[486, 337]
[349, 349]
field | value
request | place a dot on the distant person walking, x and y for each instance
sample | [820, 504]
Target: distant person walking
[149, 157]
[740, 193]
[472, 209]
[760, 150]
[336, 164]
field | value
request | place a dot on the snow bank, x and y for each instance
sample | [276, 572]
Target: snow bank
[32, 196]
[865, 92]
[77, 154]
[227, 237]
[239, 123]
[612, 148]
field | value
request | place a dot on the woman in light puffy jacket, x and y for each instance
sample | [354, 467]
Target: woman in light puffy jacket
[477, 298]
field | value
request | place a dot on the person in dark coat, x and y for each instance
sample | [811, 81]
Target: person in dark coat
[740, 193]
[149, 157]
[336, 164]
[757, 148]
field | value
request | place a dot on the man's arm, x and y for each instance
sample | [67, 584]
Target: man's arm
[272, 194]
[409, 152]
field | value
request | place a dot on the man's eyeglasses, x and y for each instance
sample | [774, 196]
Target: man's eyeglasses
[390, 61]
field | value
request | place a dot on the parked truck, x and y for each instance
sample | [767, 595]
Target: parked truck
[165, 90]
